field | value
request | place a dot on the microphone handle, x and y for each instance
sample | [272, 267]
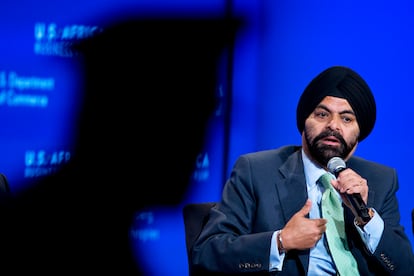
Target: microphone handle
[359, 206]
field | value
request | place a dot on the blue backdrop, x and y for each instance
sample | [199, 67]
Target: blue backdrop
[279, 49]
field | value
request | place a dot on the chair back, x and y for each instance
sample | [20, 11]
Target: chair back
[195, 217]
[4, 184]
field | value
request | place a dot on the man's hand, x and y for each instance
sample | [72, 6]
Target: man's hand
[349, 182]
[301, 232]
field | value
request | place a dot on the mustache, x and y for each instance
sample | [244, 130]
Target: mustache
[333, 133]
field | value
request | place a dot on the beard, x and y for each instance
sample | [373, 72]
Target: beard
[322, 153]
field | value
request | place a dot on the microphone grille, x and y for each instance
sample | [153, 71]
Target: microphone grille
[336, 164]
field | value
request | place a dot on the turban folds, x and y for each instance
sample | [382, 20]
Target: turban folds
[342, 82]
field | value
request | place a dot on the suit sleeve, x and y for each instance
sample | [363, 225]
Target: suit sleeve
[394, 251]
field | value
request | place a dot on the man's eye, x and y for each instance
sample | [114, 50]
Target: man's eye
[347, 119]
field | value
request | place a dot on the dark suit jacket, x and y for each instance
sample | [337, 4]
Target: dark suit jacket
[265, 190]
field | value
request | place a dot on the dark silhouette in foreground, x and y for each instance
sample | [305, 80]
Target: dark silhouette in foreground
[149, 91]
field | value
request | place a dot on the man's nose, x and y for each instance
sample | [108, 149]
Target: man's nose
[335, 123]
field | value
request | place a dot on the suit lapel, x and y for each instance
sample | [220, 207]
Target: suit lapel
[292, 187]
[293, 193]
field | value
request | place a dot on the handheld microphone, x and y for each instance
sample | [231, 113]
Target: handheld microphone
[337, 165]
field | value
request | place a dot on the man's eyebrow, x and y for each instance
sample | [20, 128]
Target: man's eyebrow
[347, 112]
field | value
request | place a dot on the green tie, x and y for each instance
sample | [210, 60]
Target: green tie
[335, 229]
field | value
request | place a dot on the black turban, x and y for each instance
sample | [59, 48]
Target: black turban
[342, 82]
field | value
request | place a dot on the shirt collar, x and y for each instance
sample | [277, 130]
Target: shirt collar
[312, 171]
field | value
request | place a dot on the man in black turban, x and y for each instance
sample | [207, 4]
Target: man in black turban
[271, 217]
[342, 82]
[337, 82]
